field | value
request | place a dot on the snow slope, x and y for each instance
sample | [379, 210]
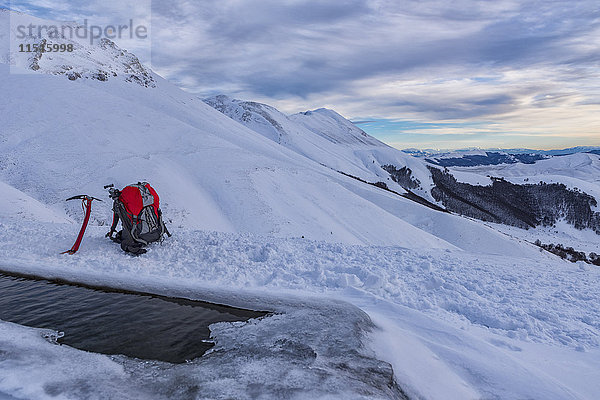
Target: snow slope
[18, 204]
[212, 169]
[335, 128]
[326, 137]
[454, 325]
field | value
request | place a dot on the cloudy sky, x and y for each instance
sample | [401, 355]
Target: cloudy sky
[426, 74]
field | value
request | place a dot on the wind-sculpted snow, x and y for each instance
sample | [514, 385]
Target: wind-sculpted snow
[509, 295]
[436, 302]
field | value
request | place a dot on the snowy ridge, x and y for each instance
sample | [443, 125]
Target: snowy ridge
[328, 138]
[261, 118]
[100, 61]
[335, 128]
[212, 172]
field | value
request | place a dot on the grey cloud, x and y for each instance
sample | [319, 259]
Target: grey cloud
[449, 109]
[289, 62]
[310, 49]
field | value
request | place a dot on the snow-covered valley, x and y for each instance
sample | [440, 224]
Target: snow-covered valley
[360, 277]
[577, 172]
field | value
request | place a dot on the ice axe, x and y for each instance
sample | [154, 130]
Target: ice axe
[86, 204]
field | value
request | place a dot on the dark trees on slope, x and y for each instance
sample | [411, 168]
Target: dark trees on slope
[527, 205]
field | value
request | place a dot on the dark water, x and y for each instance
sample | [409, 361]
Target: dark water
[115, 322]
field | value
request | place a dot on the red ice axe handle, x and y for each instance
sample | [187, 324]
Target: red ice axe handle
[86, 204]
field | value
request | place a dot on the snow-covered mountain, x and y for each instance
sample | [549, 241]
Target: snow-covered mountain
[262, 218]
[277, 126]
[494, 156]
[326, 137]
[581, 169]
[213, 173]
[102, 61]
[335, 128]
[475, 158]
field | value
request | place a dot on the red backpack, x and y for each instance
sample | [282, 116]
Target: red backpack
[138, 208]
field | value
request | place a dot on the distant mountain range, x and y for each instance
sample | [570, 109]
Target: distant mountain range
[325, 136]
[476, 157]
[488, 158]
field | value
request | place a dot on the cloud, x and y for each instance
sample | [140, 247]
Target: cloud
[290, 48]
[508, 63]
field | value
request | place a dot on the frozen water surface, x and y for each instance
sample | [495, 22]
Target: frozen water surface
[307, 348]
[114, 322]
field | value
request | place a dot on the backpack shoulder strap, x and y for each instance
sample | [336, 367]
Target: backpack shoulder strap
[115, 221]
